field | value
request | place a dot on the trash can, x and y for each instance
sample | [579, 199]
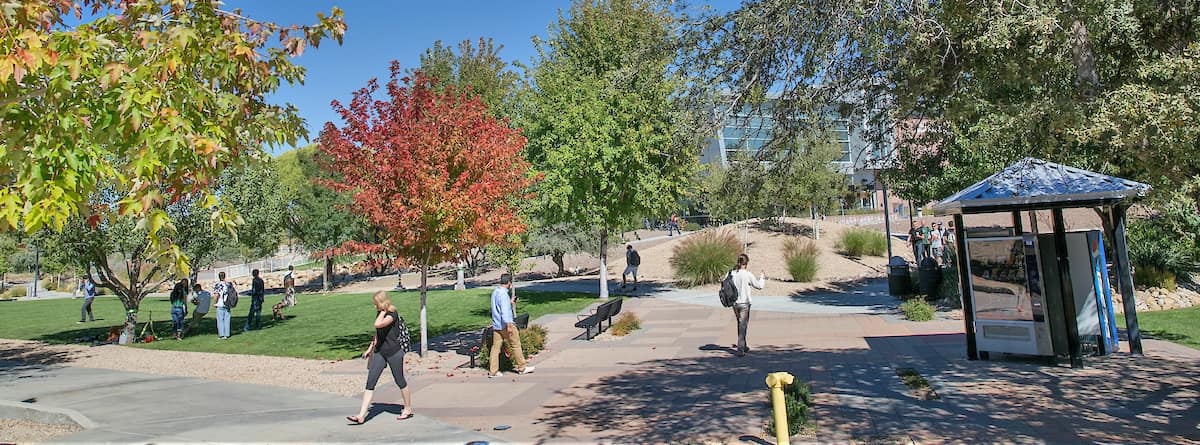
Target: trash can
[898, 280]
[930, 276]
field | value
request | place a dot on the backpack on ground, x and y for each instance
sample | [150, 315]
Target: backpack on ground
[729, 292]
[231, 296]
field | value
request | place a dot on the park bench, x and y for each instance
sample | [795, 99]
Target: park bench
[596, 319]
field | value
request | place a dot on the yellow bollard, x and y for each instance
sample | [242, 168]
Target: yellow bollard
[775, 381]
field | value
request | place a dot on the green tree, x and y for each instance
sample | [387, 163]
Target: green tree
[151, 99]
[558, 240]
[314, 214]
[601, 119]
[477, 66]
[805, 180]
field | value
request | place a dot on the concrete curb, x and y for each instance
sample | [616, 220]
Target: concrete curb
[44, 414]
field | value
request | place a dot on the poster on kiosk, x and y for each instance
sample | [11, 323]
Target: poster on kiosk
[1016, 289]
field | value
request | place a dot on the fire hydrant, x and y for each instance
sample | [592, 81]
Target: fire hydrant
[775, 381]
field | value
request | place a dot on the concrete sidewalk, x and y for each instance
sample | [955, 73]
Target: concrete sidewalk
[128, 407]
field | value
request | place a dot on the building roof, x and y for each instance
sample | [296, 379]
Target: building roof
[1034, 184]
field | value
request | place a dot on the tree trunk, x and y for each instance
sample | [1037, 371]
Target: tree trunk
[424, 325]
[1086, 79]
[327, 274]
[816, 223]
[604, 264]
[460, 283]
[557, 258]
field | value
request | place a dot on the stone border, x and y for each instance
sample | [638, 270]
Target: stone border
[44, 414]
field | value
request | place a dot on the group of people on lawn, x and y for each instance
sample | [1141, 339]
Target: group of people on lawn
[223, 297]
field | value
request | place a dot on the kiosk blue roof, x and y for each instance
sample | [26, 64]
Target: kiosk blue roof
[1034, 184]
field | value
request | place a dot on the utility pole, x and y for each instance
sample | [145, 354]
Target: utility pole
[887, 210]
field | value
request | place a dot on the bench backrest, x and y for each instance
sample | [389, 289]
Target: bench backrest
[604, 310]
[616, 308]
[522, 321]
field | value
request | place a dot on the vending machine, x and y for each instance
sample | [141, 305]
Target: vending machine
[1017, 294]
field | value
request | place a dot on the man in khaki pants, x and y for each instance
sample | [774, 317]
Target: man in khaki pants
[505, 330]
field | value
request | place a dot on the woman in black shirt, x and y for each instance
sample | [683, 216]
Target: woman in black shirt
[387, 350]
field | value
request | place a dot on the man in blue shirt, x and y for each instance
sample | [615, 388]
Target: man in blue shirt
[89, 295]
[505, 330]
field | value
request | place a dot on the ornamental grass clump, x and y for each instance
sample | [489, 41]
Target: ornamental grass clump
[625, 324]
[801, 257]
[917, 310]
[705, 257]
[533, 340]
[857, 242]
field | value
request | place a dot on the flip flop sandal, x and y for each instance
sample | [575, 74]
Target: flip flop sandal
[404, 416]
[354, 420]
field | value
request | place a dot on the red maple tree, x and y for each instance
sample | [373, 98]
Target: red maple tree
[429, 165]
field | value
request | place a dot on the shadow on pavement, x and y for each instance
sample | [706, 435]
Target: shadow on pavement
[1119, 399]
[872, 294]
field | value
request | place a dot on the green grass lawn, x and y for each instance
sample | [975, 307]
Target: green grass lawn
[1178, 325]
[333, 326]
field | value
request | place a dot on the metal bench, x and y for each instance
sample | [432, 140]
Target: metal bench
[605, 311]
[485, 335]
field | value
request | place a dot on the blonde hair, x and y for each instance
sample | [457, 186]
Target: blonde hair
[383, 299]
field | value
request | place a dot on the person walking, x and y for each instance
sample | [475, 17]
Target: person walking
[258, 293]
[387, 350]
[743, 280]
[632, 261]
[936, 243]
[223, 290]
[504, 329]
[289, 294]
[179, 307]
[673, 226]
[89, 295]
[921, 243]
[201, 300]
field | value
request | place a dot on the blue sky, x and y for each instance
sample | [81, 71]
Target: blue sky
[382, 31]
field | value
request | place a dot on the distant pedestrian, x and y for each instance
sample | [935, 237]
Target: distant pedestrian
[387, 350]
[673, 226]
[632, 261]
[257, 295]
[937, 242]
[289, 294]
[89, 295]
[948, 239]
[223, 290]
[743, 280]
[201, 300]
[646, 223]
[179, 308]
[504, 329]
[921, 242]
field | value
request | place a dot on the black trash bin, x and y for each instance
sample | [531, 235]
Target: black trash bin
[898, 281]
[930, 276]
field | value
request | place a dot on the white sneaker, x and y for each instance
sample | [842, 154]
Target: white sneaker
[496, 375]
[527, 370]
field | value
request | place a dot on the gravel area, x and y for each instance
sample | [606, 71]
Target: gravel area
[276, 371]
[24, 431]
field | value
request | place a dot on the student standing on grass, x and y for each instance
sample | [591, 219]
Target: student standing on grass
[202, 300]
[387, 350]
[289, 294]
[258, 292]
[223, 289]
[179, 307]
[89, 296]
[743, 280]
[504, 329]
[632, 261]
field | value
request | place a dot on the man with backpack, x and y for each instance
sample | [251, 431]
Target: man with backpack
[632, 261]
[735, 293]
[227, 299]
[257, 295]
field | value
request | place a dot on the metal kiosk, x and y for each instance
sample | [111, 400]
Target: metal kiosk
[1043, 294]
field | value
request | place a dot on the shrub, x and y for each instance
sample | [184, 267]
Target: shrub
[801, 257]
[626, 323]
[690, 226]
[1151, 276]
[705, 257]
[1170, 239]
[917, 310]
[858, 242]
[16, 291]
[533, 339]
[797, 397]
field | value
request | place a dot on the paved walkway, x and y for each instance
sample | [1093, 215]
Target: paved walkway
[677, 380]
[129, 407]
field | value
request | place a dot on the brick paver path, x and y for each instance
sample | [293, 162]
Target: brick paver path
[676, 380]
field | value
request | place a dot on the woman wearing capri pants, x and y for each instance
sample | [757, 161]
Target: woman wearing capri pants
[386, 351]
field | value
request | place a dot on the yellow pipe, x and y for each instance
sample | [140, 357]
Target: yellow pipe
[775, 381]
